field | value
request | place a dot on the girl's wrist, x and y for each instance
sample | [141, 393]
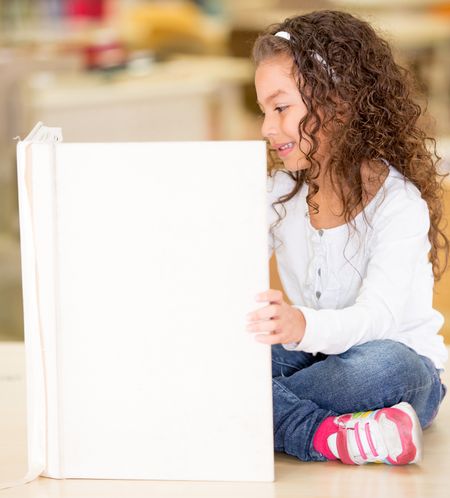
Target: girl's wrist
[300, 332]
[303, 322]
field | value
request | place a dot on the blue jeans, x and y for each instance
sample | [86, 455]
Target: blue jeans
[307, 389]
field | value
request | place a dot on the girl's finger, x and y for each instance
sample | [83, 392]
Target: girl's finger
[271, 295]
[268, 339]
[270, 311]
[264, 326]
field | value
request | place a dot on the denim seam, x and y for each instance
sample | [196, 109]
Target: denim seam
[285, 364]
[285, 389]
[409, 391]
[421, 388]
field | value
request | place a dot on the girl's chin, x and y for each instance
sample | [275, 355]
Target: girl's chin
[295, 165]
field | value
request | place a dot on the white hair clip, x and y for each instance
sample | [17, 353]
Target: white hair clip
[324, 63]
[283, 34]
[319, 58]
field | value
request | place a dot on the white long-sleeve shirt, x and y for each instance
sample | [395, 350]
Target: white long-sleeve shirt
[376, 285]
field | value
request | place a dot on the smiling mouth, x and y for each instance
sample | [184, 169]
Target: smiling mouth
[284, 149]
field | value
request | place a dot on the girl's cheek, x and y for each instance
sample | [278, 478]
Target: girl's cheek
[292, 124]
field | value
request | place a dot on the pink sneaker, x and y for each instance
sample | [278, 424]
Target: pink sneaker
[388, 435]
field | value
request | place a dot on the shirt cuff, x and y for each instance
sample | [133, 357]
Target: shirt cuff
[292, 346]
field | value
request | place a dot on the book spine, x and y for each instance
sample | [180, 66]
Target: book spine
[35, 380]
[36, 177]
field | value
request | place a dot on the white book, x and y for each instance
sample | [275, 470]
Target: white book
[140, 262]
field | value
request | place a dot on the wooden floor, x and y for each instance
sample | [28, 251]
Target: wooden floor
[431, 478]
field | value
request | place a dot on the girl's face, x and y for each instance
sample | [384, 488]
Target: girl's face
[283, 108]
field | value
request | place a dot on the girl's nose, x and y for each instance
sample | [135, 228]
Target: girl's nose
[268, 127]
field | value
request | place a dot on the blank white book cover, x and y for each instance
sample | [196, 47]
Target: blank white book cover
[140, 262]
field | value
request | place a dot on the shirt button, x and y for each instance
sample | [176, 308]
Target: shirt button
[321, 232]
[318, 294]
[318, 272]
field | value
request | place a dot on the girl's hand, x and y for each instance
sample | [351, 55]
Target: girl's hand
[284, 323]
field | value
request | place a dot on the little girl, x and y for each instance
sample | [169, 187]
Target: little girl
[356, 216]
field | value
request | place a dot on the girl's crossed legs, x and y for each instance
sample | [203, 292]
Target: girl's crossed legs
[307, 389]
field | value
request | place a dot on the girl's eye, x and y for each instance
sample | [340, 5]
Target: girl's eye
[281, 108]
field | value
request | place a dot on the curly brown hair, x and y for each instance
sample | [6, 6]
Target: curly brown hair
[355, 91]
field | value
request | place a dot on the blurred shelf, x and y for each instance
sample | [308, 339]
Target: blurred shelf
[186, 98]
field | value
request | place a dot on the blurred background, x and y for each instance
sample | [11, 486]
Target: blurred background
[134, 70]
